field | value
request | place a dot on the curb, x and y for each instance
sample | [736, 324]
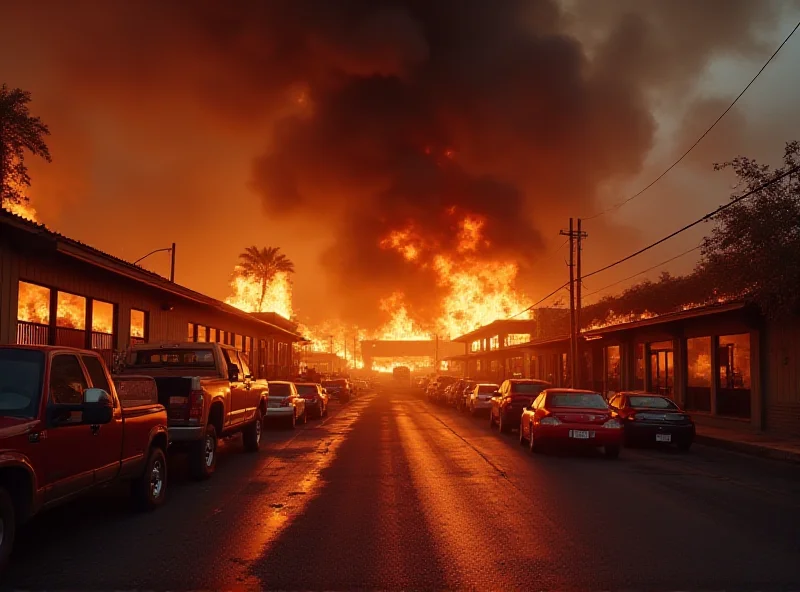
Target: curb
[749, 448]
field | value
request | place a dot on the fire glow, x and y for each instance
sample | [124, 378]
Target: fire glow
[247, 294]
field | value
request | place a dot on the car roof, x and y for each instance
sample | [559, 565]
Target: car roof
[642, 394]
[303, 383]
[47, 348]
[527, 381]
[279, 382]
[570, 391]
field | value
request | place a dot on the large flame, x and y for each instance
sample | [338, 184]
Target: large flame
[247, 294]
[400, 327]
[477, 291]
[22, 209]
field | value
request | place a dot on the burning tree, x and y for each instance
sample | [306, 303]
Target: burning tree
[263, 267]
[19, 131]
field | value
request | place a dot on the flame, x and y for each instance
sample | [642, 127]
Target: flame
[413, 363]
[33, 305]
[23, 210]
[477, 292]
[613, 318]
[400, 326]
[247, 292]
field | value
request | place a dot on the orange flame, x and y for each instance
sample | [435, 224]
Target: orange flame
[400, 326]
[247, 294]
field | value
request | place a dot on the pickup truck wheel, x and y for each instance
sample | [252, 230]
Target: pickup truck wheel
[149, 490]
[203, 455]
[7, 527]
[252, 434]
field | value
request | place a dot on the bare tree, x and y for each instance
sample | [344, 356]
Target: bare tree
[19, 131]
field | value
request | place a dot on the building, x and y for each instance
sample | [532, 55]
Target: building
[419, 355]
[55, 290]
[725, 363]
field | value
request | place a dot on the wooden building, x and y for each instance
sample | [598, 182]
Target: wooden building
[725, 363]
[55, 290]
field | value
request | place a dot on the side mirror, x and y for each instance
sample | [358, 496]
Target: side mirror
[233, 374]
[98, 407]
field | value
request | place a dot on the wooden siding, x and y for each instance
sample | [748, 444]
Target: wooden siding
[781, 360]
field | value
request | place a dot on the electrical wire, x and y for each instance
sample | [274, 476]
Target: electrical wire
[553, 293]
[700, 139]
[698, 221]
[630, 277]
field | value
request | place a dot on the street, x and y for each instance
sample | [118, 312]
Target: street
[391, 491]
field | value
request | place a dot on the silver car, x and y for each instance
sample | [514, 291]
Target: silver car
[480, 399]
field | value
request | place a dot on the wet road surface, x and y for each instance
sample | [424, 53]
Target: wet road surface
[393, 492]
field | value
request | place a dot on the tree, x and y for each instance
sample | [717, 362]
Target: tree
[19, 131]
[262, 265]
[754, 248]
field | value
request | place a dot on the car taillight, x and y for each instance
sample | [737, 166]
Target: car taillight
[631, 417]
[612, 424]
[196, 406]
[550, 421]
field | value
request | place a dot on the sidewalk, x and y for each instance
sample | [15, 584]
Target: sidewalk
[749, 442]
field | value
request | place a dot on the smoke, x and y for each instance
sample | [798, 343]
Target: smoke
[375, 115]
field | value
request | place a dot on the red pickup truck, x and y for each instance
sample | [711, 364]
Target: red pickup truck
[65, 428]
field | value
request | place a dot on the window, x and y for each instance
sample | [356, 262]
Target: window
[475, 346]
[244, 364]
[138, 325]
[202, 334]
[612, 369]
[20, 382]
[102, 317]
[582, 400]
[67, 381]
[96, 373]
[494, 342]
[733, 376]
[662, 368]
[239, 343]
[526, 388]
[71, 311]
[643, 402]
[638, 382]
[193, 358]
[190, 336]
[517, 338]
[698, 354]
[233, 360]
[33, 305]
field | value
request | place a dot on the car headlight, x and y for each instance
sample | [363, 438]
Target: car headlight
[612, 424]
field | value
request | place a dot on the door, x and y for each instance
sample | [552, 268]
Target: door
[238, 405]
[251, 392]
[662, 372]
[107, 438]
[72, 456]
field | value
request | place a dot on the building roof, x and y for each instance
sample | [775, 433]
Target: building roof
[690, 313]
[92, 256]
[506, 325]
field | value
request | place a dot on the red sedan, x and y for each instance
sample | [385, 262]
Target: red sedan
[570, 416]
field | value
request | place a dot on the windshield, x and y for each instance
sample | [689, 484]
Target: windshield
[306, 389]
[585, 400]
[527, 388]
[194, 358]
[279, 389]
[487, 388]
[648, 402]
[335, 384]
[20, 382]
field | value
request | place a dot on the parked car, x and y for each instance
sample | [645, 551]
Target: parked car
[437, 394]
[647, 417]
[209, 392]
[463, 398]
[338, 388]
[569, 416]
[285, 404]
[453, 392]
[65, 430]
[480, 398]
[514, 395]
[315, 397]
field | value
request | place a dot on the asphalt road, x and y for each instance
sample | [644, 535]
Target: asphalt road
[392, 492]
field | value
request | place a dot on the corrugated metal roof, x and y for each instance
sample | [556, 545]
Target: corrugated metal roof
[92, 256]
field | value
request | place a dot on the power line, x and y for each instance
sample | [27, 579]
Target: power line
[698, 221]
[700, 139]
[630, 277]
[553, 293]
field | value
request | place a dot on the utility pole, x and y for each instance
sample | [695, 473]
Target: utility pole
[172, 265]
[574, 298]
[578, 303]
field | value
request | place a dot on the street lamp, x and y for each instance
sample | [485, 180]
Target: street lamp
[172, 262]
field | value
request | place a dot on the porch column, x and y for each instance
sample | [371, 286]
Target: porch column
[757, 390]
[680, 361]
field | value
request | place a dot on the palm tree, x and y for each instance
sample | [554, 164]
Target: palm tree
[19, 131]
[263, 265]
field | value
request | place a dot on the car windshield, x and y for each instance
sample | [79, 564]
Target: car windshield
[306, 389]
[279, 389]
[651, 402]
[527, 388]
[336, 384]
[487, 388]
[195, 358]
[585, 400]
[20, 382]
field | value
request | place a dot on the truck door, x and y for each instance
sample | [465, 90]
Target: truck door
[107, 439]
[238, 404]
[71, 462]
[251, 391]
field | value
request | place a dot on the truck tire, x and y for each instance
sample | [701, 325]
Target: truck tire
[8, 527]
[149, 490]
[203, 455]
[251, 437]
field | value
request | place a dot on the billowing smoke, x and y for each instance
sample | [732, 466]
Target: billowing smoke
[378, 115]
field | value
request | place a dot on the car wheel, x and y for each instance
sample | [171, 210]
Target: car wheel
[8, 527]
[611, 451]
[149, 489]
[203, 455]
[503, 424]
[252, 433]
[521, 435]
[531, 442]
[491, 419]
[292, 423]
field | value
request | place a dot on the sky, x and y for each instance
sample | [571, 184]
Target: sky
[321, 127]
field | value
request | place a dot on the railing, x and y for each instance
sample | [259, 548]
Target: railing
[103, 344]
[69, 337]
[32, 333]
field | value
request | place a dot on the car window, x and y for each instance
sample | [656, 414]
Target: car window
[583, 400]
[527, 388]
[652, 402]
[20, 382]
[233, 360]
[614, 401]
[95, 369]
[67, 381]
[244, 364]
[537, 401]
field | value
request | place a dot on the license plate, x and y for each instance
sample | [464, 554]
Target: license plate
[176, 401]
[580, 434]
[663, 437]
